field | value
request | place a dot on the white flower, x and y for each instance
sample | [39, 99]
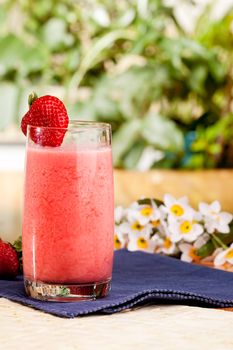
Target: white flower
[119, 241]
[224, 256]
[177, 208]
[141, 241]
[215, 220]
[132, 212]
[133, 227]
[144, 213]
[184, 229]
[163, 228]
[167, 246]
[119, 213]
[120, 235]
[122, 228]
[188, 252]
[158, 216]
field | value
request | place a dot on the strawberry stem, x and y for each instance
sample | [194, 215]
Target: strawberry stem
[17, 245]
[31, 98]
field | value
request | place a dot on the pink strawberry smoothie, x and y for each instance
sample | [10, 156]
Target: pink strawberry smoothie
[68, 215]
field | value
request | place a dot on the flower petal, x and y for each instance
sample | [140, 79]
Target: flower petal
[209, 226]
[197, 216]
[143, 220]
[215, 207]
[175, 237]
[124, 228]
[186, 257]
[168, 200]
[223, 228]
[203, 208]
[230, 260]
[190, 237]
[220, 259]
[198, 229]
[226, 217]
[118, 213]
[185, 247]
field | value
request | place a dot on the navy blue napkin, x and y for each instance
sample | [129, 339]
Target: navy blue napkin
[138, 279]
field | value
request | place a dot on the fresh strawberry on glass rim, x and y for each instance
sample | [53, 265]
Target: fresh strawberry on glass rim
[49, 112]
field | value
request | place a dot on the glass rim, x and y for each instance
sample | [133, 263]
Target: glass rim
[75, 125]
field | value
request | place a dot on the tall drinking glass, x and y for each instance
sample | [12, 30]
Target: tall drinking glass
[68, 219]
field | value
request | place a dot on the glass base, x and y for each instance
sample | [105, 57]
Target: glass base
[67, 292]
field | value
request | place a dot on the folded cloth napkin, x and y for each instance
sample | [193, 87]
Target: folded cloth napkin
[138, 279]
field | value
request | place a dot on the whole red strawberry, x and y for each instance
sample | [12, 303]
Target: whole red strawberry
[46, 111]
[9, 262]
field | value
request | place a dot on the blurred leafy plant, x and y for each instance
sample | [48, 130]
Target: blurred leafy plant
[165, 92]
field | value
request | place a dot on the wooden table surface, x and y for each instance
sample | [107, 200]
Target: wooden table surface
[151, 327]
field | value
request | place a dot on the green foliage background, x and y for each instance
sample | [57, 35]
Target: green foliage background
[167, 94]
